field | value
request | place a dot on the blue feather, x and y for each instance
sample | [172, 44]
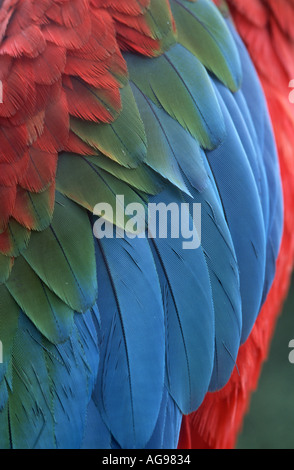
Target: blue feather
[55, 384]
[222, 264]
[166, 323]
[131, 372]
[189, 314]
[96, 435]
[244, 215]
[217, 245]
[167, 430]
[263, 137]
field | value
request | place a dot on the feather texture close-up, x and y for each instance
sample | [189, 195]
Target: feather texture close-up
[146, 188]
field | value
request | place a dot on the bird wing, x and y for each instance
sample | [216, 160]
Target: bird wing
[108, 341]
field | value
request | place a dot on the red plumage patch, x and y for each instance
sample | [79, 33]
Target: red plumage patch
[40, 170]
[59, 58]
[254, 10]
[283, 11]
[134, 33]
[53, 54]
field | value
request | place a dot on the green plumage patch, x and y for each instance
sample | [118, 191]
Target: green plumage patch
[160, 21]
[52, 317]
[124, 140]
[180, 84]
[5, 267]
[202, 30]
[18, 238]
[63, 255]
[81, 180]
[39, 208]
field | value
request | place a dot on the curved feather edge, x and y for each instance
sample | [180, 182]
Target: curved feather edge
[131, 373]
[202, 30]
[61, 378]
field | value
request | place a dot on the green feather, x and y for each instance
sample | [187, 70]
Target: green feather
[160, 154]
[202, 30]
[179, 83]
[124, 140]
[88, 185]
[52, 317]
[158, 18]
[18, 238]
[40, 208]
[171, 149]
[30, 400]
[63, 255]
[9, 312]
[141, 178]
[5, 267]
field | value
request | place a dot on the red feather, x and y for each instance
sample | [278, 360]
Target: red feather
[7, 195]
[31, 218]
[40, 170]
[49, 50]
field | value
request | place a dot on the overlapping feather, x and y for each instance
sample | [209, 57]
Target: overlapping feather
[118, 337]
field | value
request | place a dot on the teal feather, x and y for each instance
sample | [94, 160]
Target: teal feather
[187, 96]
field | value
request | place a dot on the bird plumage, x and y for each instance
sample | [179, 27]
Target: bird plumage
[107, 342]
[266, 29]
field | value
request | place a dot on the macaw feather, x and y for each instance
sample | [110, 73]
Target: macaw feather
[187, 96]
[124, 140]
[111, 328]
[201, 30]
